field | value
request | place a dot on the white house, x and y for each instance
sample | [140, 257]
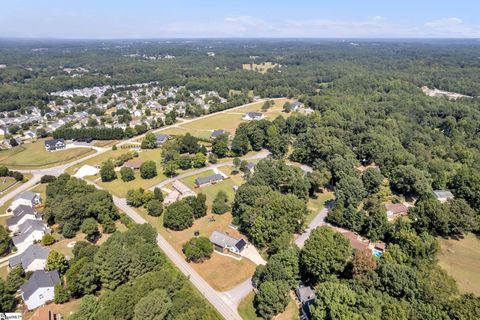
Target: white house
[443, 195]
[26, 198]
[253, 116]
[223, 242]
[297, 105]
[39, 289]
[21, 214]
[30, 231]
[32, 259]
[55, 144]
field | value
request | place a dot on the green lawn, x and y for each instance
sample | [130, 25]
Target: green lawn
[226, 121]
[211, 190]
[33, 155]
[461, 260]
[6, 182]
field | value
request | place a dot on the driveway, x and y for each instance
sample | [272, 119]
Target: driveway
[251, 253]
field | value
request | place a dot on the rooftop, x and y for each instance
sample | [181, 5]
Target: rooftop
[25, 258]
[39, 279]
[209, 179]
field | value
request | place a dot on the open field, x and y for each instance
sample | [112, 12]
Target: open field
[6, 182]
[461, 260]
[98, 160]
[212, 270]
[226, 121]
[259, 67]
[247, 311]
[229, 120]
[33, 155]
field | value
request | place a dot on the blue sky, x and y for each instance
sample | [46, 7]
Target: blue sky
[240, 18]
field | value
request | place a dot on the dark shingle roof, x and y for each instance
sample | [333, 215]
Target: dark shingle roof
[39, 279]
[25, 258]
[218, 132]
[209, 179]
[53, 142]
[161, 138]
[27, 195]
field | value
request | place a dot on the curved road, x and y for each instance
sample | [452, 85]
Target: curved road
[226, 303]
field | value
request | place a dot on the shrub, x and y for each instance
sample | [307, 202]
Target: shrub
[148, 170]
[48, 240]
[198, 249]
[127, 174]
[155, 208]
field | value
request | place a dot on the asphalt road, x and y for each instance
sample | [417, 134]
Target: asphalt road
[225, 303]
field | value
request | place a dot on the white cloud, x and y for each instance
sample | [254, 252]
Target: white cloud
[445, 22]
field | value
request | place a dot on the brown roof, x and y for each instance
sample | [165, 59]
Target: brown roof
[380, 246]
[396, 208]
[134, 164]
[355, 241]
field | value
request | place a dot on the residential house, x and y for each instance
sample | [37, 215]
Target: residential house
[55, 144]
[32, 230]
[306, 296]
[32, 259]
[250, 168]
[253, 116]
[223, 242]
[199, 182]
[395, 210]
[161, 139]
[27, 198]
[443, 195]
[218, 132]
[21, 214]
[297, 105]
[308, 111]
[180, 191]
[39, 289]
[133, 164]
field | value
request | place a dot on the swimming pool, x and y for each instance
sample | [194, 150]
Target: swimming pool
[377, 253]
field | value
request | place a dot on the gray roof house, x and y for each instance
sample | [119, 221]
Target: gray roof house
[306, 296]
[21, 214]
[39, 289]
[161, 138]
[443, 195]
[218, 132]
[297, 105]
[33, 258]
[253, 116]
[26, 198]
[55, 144]
[31, 232]
[224, 242]
[207, 180]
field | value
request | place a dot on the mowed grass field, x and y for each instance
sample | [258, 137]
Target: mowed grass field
[33, 155]
[214, 269]
[461, 260]
[6, 182]
[229, 120]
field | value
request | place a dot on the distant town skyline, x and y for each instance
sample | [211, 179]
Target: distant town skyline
[108, 19]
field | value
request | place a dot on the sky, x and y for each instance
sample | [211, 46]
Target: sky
[109, 19]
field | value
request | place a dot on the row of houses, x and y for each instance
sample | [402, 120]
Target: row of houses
[28, 228]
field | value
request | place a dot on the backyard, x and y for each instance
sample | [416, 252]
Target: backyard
[21, 157]
[212, 270]
[461, 260]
